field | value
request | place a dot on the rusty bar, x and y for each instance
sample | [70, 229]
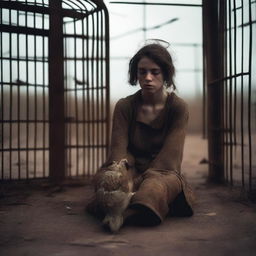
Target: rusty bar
[22, 121]
[56, 94]
[23, 30]
[69, 5]
[88, 98]
[235, 71]
[242, 95]
[249, 23]
[230, 97]
[228, 77]
[83, 100]
[19, 83]
[214, 99]
[10, 99]
[94, 133]
[35, 100]
[76, 102]
[101, 83]
[226, 148]
[100, 38]
[79, 58]
[44, 102]
[82, 4]
[19, 105]
[107, 102]
[77, 15]
[204, 127]
[66, 109]
[97, 90]
[23, 149]
[22, 58]
[83, 91]
[65, 98]
[249, 96]
[92, 93]
[222, 73]
[2, 109]
[27, 101]
[225, 96]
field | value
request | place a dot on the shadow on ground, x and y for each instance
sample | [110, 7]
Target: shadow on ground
[44, 221]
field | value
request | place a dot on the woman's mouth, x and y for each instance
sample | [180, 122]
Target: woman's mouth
[148, 86]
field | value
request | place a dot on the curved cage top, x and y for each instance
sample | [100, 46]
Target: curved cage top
[82, 6]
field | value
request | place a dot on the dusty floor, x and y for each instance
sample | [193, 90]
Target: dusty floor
[41, 221]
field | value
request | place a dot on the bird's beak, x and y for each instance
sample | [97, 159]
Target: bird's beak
[124, 162]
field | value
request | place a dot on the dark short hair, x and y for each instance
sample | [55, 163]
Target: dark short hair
[160, 56]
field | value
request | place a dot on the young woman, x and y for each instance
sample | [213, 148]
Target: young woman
[149, 130]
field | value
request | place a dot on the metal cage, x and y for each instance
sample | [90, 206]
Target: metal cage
[230, 51]
[54, 68]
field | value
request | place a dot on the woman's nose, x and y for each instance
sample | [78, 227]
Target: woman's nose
[148, 76]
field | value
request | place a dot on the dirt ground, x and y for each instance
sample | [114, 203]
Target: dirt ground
[40, 220]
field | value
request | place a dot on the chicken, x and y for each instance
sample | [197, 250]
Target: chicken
[113, 190]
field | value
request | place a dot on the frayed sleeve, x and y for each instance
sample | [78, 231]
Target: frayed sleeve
[119, 136]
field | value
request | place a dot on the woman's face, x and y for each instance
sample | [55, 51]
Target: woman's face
[150, 76]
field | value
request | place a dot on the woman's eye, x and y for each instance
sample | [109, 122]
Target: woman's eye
[142, 72]
[145, 71]
[155, 72]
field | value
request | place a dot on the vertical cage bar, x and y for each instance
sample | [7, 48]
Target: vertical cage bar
[10, 101]
[2, 109]
[2, 100]
[85, 83]
[44, 102]
[56, 93]
[221, 73]
[215, 138]
[225, 94]
[88, 99]
[76, 148]
[19, 95]
[242, 95]
[249, 95]
[92, 95]
[68, 117]
[204, 86]
[27, 101]
[98, 122]
[235, 72]
[230, 96]
[102, 84]
[83, 101]
[107, 102]
[35, 100]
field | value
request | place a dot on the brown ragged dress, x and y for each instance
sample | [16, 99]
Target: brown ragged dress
[155, 151]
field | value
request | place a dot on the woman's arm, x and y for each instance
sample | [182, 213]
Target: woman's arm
[119, 137]
[170, 156]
